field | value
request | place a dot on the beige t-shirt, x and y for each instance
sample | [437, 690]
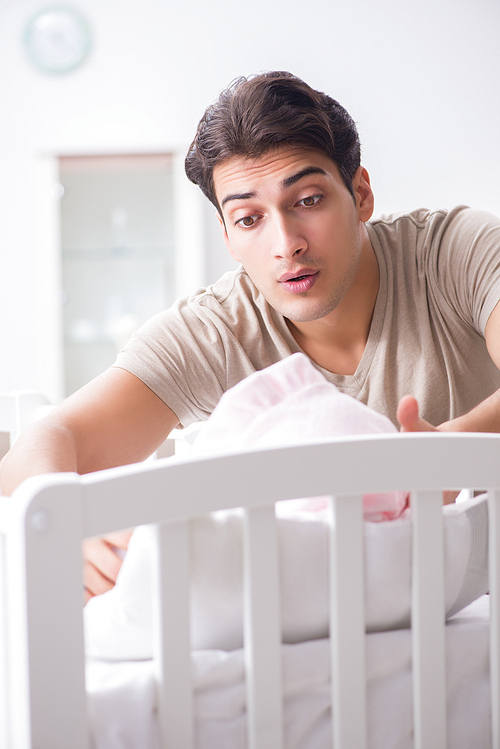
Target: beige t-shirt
[439, 282]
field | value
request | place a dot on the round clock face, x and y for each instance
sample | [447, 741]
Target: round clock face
[57, 39]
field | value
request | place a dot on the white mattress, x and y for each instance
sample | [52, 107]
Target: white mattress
[122, 695]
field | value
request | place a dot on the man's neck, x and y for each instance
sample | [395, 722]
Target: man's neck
[337, 342]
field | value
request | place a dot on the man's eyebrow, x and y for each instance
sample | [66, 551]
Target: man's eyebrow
[289, 181]
[237, 196]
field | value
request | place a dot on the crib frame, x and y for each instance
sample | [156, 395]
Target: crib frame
[48, 516]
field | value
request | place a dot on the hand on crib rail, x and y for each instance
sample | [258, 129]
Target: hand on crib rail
[102, 562]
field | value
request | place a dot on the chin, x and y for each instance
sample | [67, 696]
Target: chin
[302, 314]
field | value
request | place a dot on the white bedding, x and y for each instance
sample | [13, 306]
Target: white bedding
[122, 695]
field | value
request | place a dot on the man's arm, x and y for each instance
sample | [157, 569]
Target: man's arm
[112, 421]
[485, 417]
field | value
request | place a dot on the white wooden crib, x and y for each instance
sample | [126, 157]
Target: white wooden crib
[43, 702]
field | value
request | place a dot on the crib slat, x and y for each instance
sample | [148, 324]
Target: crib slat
[171, 636]
[262, 630]
[347, 623]
[494, 580]
[428, 621]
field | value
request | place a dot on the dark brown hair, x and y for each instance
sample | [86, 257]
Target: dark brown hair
[271, 110]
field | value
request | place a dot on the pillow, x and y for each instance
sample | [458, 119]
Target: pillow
[118, 623]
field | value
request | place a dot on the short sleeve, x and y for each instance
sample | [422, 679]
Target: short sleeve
[467, 264]
[190, 354]
[180, 356]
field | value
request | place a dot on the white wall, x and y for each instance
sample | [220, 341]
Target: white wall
[421, 80]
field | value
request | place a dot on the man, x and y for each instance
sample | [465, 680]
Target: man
[383, 308]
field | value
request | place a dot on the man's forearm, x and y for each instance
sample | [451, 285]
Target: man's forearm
[43, 448]
[485, 417]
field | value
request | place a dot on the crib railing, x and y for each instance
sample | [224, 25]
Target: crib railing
[44, 523]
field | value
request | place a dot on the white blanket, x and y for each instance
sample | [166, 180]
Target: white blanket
[122, 697]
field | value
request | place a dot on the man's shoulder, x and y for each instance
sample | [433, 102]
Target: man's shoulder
[427, 219]
[234, 283]
[232, 291]
[420, 218]
[228, 306]
[425, 229]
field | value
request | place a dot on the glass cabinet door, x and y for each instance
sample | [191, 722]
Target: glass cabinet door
[118, 255]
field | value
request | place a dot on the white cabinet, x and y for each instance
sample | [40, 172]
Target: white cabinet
[129, 240]
[118, 255]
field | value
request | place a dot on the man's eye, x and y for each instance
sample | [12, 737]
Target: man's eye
[247, 221]
[310, 201]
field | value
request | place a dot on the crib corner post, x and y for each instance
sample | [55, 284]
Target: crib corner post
[45, 616]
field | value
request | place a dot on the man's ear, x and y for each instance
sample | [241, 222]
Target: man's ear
[227, 241]
[365, 200]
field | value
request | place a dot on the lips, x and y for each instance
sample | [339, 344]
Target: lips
[299, 281]
[297, 275]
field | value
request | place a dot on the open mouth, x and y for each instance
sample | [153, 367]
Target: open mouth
[300, 283]
[289, 278]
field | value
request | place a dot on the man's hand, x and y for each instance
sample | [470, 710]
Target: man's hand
[102, 562]
[409, 417]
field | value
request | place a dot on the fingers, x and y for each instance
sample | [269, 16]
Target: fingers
[408, 416]
[95, 583]
[120, 539]
[101, 563]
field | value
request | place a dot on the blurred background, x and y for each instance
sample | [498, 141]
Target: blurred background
[100, 228]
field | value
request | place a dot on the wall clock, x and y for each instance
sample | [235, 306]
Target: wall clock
[57, 39]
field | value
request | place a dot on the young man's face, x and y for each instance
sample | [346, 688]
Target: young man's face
[293, 224]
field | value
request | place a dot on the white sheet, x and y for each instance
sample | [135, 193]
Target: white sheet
[122, 696]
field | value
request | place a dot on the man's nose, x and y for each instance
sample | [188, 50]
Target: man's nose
[288, 240]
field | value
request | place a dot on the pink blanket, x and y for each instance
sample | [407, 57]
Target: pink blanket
[292, 403]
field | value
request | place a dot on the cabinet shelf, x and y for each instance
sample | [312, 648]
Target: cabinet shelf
[119, 253]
